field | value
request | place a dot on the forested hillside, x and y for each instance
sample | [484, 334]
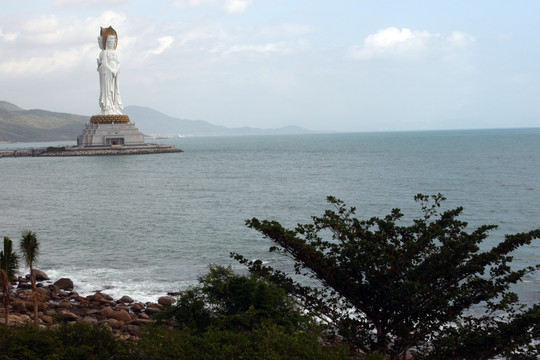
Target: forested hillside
[20, 125]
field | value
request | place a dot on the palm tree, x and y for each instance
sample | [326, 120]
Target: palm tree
[30, 251]
[9, 263]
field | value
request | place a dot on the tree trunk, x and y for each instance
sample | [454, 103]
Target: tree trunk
[6, 303]
[34, 296]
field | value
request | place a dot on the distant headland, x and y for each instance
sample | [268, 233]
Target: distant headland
[37, 125]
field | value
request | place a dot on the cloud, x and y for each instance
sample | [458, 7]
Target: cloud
[7, 36]
[41, 65]
[164, 43]
[85, 4]
[201, 34]
[407, 44]
[52, 31]
[236, 6]
[460, 39]
[229, 6]
[391, 42]
[51, 43]
[280, 47]
[286, 30]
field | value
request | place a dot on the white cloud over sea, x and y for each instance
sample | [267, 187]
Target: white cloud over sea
[405, 43]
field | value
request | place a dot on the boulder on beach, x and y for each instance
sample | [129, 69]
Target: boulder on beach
[47, 319]
[120, 315]
[68, 315]
[64, 304]
[44, 293]
[40, 275]
[125, 300]
[89, 320]
[166, 300]
[113, 323]
[151, 310]
[64, 284]
[107, 311]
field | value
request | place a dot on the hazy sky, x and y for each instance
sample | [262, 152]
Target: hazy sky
[345, 65]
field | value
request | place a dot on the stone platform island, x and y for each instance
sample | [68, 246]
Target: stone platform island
[91, 151]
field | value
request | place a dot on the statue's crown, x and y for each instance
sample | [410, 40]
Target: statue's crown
[105, 32]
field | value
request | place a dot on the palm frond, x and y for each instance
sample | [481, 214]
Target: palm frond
[29, 247]
[9, 261]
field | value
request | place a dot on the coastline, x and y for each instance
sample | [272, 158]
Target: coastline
[58, 302]
[94, 151]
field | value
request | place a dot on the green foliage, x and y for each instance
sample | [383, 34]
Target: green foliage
[230, 301]
[17, 124]
[83, 341]
[73, 342]
[9, 261]
[87, 342]
[264, 343]
[56, 148]
[29, 247]
[388, 288]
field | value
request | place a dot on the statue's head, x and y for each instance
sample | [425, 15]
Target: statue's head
[105, 33]
[111, 42]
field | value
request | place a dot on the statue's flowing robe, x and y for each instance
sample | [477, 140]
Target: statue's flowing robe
[109, 99]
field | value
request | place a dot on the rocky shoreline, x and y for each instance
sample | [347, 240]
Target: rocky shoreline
[98, 151]
[57, 302]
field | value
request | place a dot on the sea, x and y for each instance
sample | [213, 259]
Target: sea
[148, 225]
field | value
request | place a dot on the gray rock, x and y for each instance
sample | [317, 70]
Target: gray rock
[64, 284]
[152, 310]
[120, 315]
[113, 323]
[68, 315]
[125, 300]
[40, 275]
[89, 320]
[133, 330]
[166, 300]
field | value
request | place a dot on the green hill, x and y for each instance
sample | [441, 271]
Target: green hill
[153, 122]
[19, 125]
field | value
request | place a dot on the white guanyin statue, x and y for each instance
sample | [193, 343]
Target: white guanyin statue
[108, 68]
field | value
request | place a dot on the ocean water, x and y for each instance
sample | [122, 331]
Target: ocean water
[145, 225]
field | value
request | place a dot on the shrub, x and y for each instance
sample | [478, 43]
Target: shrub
[230, 301]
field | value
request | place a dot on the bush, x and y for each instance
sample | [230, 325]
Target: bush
[264, 343]
[69, 341]
[230, 301]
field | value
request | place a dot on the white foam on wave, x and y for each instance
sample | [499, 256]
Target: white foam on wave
[116, 283]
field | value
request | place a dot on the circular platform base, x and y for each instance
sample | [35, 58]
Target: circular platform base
[109, 119]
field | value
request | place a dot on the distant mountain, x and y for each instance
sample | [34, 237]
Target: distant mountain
[17, 124]
[152, 122]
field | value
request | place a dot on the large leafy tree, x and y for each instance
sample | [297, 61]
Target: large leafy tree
[9, 264]
[29, 247]
[390, 288]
